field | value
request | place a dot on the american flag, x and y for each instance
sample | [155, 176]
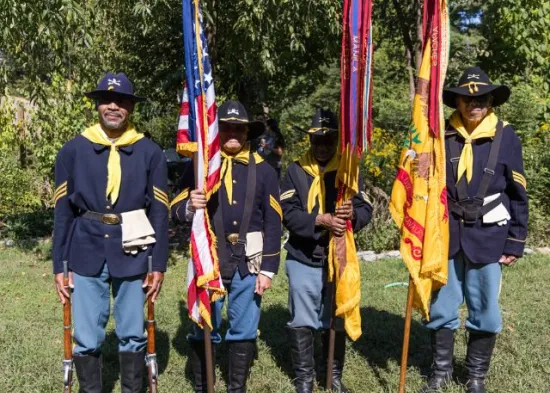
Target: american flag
[198, 136]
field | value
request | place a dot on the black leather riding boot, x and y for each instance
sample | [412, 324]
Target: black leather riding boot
[301, 346]
[197, 359]
[241, 355]
[88, 371]
[339, 360]
[132, 366]
[478, 359]
[442, 367]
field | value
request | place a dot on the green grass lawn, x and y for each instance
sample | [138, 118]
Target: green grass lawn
[31, 333]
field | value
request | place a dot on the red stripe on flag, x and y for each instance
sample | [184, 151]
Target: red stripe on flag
[214, 147]
[406, 180]
[443, 200]
[213, 179]
[211, 114]
[194, 291]
[414, 227]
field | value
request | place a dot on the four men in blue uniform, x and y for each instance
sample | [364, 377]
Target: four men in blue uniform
[112, 208]
[487, 199]
[110, 182]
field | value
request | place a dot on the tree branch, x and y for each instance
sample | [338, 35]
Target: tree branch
[409, 47]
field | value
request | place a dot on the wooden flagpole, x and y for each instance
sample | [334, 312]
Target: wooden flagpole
[406, 337]
[206, 329]
[208, 358]
[332, 337]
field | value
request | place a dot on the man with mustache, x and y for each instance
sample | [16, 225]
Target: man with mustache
[308, 199]
[246, 218]
[111, 214]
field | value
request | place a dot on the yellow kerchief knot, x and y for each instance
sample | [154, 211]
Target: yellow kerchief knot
[227, 165]
[485, 129]
[317, 188]
[114, 172]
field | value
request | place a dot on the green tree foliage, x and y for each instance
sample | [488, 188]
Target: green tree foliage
[517, 35]
[40, 39]
[282, 55]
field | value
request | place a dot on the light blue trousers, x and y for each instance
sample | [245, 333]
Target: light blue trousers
[243, 312]
[479, 285]
[307, 302]
[91, 309]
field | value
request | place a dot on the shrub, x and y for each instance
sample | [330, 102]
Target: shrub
[381, 234]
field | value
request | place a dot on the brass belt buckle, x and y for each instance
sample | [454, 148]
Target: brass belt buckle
[233, 238]
[110, 219]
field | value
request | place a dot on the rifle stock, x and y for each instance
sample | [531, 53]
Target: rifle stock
[151, 357]
[67, 336]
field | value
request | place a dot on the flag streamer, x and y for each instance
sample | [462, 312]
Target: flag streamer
[355, 136]
[419, 197]
[198, 136]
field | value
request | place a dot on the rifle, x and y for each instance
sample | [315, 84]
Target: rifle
[67, 336]
[151, 357]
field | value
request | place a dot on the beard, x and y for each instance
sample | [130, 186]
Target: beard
[114, 125]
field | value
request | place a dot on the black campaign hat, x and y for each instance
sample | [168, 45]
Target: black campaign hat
[233, 112]
[116, 86]
[474, 82]
[323, 122]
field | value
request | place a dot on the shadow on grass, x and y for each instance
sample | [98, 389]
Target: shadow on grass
[274, 334]
[180, 343]
[111, 366]
[382, 342]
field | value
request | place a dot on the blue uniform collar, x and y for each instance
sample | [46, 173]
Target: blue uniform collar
[128, 149]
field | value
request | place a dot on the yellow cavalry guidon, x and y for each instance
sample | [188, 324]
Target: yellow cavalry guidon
[419, 197]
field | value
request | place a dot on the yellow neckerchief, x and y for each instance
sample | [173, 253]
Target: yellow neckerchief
[227, 173]
[485, 129]
[114, 172]
[317, 188]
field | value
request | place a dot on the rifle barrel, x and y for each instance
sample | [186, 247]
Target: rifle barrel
[67, 334]
[151, 358]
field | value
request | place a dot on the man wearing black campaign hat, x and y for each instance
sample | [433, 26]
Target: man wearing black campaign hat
[308, 199]
[487, 200]
[246, 217]
[111, 214]
[271, 144]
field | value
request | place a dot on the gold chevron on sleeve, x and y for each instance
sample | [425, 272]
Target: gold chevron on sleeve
[161, 196]
[160, 192]
[59, 196]
[180, 197]
[287, 194]
[276, 206]
[519, 178]
[60, 192]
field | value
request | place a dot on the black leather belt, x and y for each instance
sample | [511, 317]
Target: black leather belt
[108, 218]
